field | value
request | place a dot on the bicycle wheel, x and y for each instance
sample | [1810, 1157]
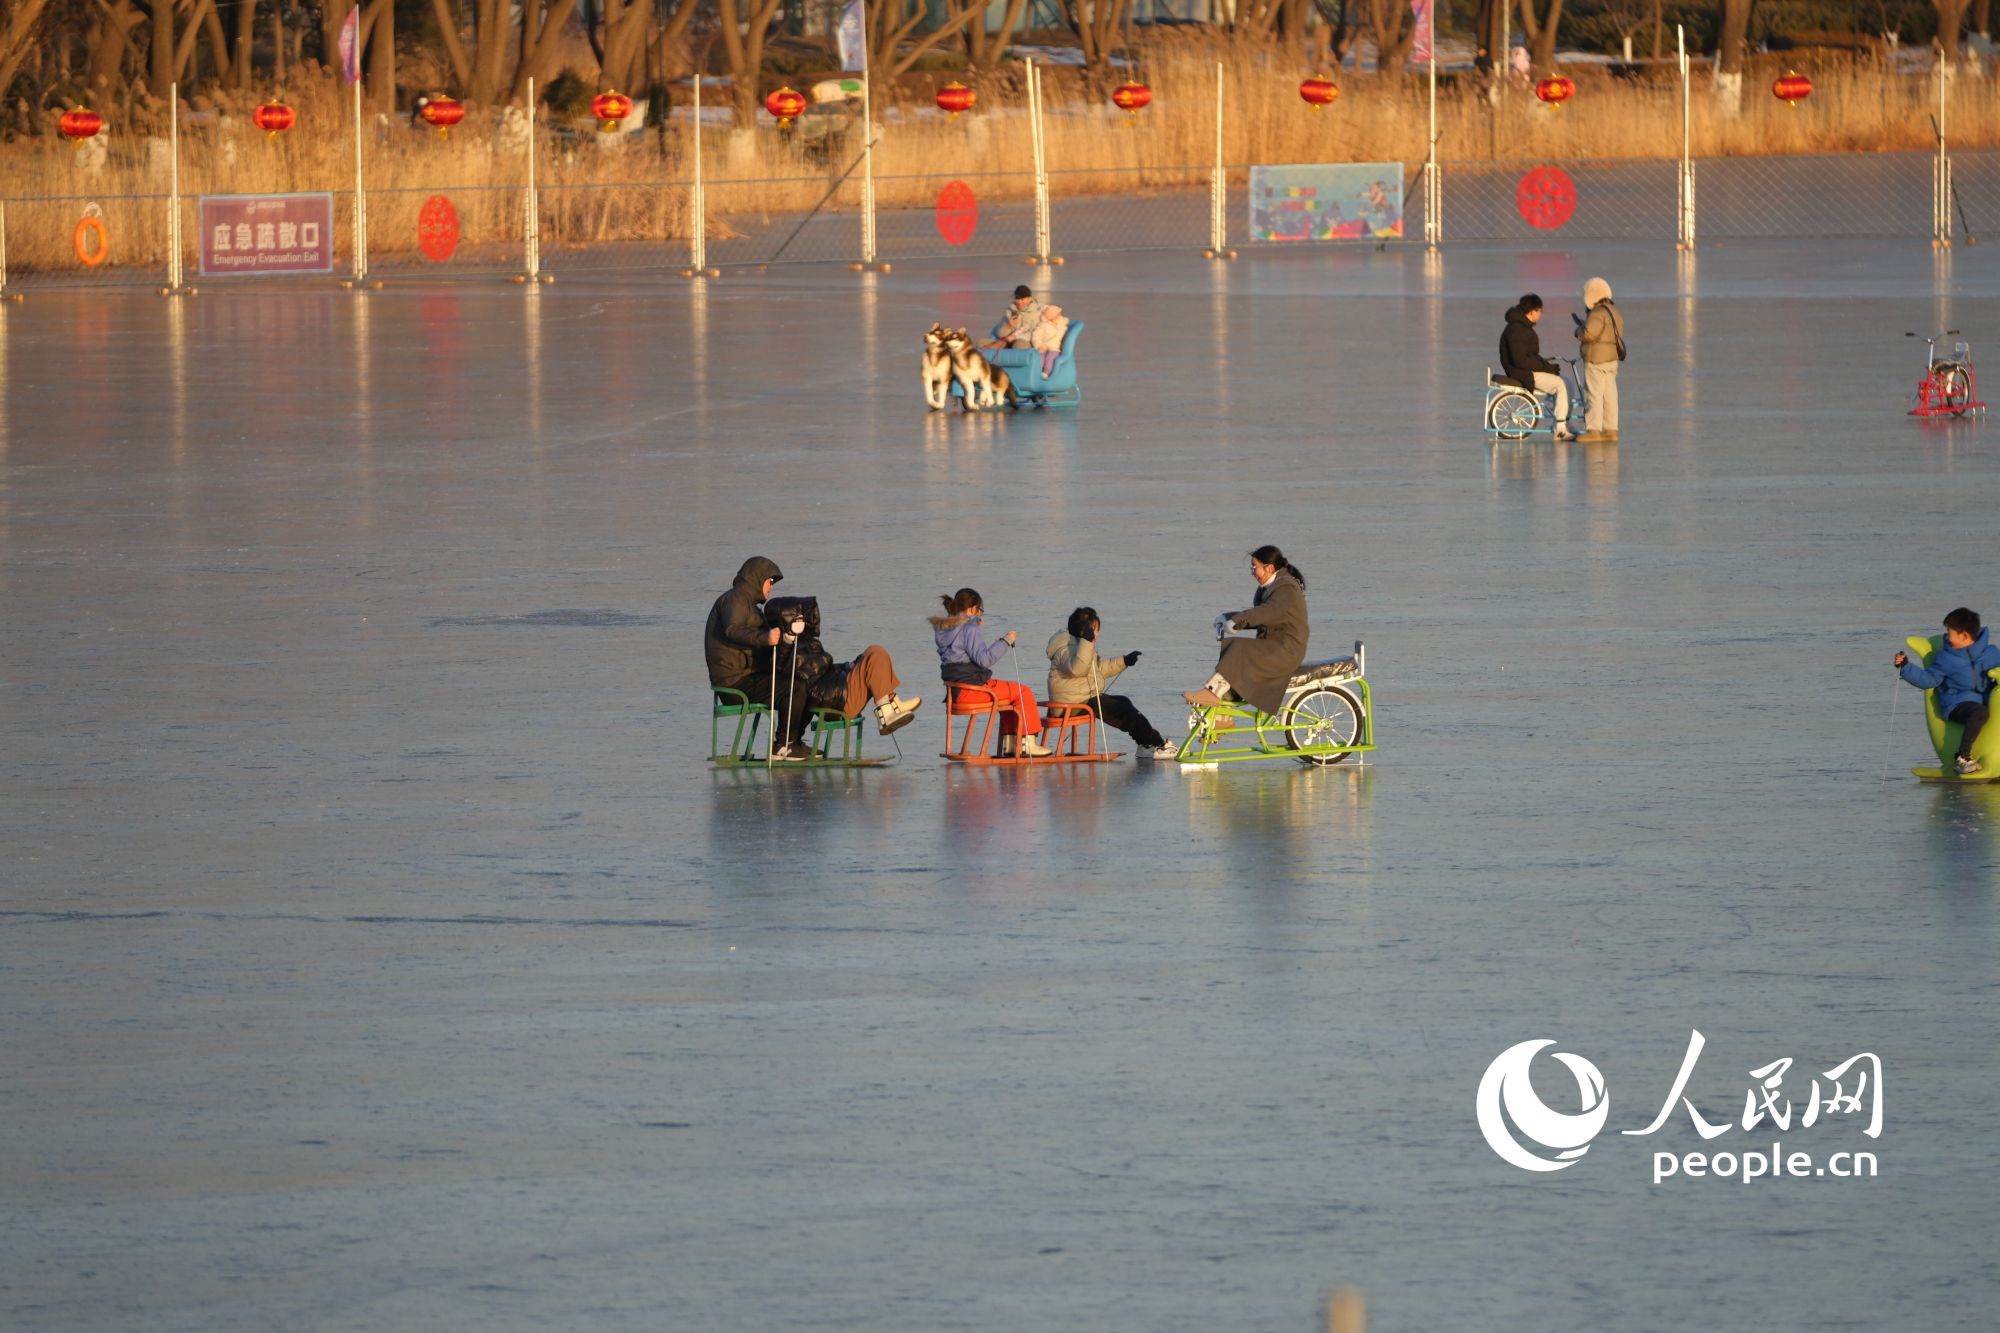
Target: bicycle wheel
[1954, 390]
[1513, 415]
[1328, 715]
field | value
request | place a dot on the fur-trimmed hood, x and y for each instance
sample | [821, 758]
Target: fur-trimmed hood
[952, 621]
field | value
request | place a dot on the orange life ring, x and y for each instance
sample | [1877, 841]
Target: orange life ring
[91, 258]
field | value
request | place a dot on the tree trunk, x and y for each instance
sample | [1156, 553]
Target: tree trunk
[17, 38]
[1951, 18]
[378, 29]
[1540, 30]
[160, 69]
[983, 49]
[541, 29]
[1729, 55]
[1097, 25]
[742, 25]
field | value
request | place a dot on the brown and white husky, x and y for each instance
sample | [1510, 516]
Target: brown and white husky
[937, 369]
[983, 383]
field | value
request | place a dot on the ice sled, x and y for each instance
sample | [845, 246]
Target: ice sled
[1325, 719]
[827, 726]
[1944, 735]
[1068, 729]
[1024, 366]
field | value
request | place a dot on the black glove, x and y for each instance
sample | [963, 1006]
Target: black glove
[1131, 659]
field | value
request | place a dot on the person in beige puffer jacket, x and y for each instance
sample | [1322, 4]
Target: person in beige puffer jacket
[1077, 675]
[1602, 335]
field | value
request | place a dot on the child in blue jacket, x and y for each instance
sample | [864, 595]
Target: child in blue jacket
[1958, 672]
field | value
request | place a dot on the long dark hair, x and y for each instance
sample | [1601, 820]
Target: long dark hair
[1083, 623]
[958, 603]
[1271, 555]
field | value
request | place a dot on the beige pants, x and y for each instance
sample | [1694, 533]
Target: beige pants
[871, 677]
[1600, 381]
[1557, 385]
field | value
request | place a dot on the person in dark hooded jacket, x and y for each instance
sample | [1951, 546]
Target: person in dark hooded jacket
[1521, 359]
[742, 655]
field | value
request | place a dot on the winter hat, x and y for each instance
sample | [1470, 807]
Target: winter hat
[1597, 289]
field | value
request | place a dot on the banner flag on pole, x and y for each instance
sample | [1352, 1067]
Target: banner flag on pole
[853, 35]
[1420, 49]
[350, 45]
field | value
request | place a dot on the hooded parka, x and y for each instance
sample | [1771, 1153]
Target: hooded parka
[1521, 351]
[1260, 669]
[736, 630]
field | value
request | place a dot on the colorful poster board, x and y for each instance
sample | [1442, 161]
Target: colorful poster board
[1337, 201]
[244, 234]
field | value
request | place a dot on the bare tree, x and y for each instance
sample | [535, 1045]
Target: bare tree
[1392, 26]
[1729, 47]
[630, 29]
[742, 25]
[19, 21]
[1540, 30]
[1337, 18]
[891, 23]
[1951, 18]
[108, 41]
[1097, 25]
[479, 71]
[984, 50]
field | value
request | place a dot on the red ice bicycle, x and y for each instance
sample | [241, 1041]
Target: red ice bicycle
[1950, 386]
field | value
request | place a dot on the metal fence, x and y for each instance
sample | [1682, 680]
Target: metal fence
[839, 211]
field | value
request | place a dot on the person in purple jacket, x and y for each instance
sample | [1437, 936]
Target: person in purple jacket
[966, 658]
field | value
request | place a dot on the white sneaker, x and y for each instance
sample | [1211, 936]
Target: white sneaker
[1034, 749]
[895, 713]
[1169, 750]
[793, 754]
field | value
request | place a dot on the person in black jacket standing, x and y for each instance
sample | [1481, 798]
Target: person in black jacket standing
[1521, 359]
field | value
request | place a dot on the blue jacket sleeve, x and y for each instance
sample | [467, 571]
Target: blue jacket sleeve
[1921, 676]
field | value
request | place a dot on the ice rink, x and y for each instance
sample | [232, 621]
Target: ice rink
[379, 950]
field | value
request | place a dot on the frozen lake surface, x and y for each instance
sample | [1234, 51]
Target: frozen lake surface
[379, 952]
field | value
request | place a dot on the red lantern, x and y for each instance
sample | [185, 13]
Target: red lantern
[610, 108]
[443, 111]
[1132, 97]
[1793, 89]
[272, 118]
[955, 97]
[80, 124]
[786, 104]
[1555, 90]
[1319, 92]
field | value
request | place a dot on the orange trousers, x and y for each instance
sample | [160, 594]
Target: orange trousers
[1027, 716]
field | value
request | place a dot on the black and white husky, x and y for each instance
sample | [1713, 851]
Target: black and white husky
[983, 383]
[937, 369]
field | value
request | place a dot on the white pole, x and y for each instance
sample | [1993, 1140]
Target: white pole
[1433, 205]
[360, 197]
[532, 224]
[698, 237]
[1684, 223]
[1041, 166]
[867, 146]
[3, 249]
[1218, 183]
[1941, 224]
[174, 189]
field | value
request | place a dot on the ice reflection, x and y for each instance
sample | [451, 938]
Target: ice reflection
[1962, 859]
[1284, 820]
[823, 821]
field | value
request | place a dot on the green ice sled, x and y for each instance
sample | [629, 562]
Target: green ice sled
[1944, 735]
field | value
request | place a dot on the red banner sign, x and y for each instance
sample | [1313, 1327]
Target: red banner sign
[266, 233]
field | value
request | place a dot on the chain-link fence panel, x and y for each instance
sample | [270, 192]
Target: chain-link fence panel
[640, 224]
[1975, 204]
[1831, 195]
[1128, 208]
[784, 220]
[463, 229]
[1554, 202]
[88, 241]
[945, 216]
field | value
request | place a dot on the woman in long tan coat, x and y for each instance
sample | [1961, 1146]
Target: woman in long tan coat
[1257, 671]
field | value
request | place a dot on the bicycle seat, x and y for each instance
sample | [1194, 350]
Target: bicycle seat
[1337, 668]
[1507, 383]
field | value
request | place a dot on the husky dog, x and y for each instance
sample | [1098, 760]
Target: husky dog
[937, 369]
[983, 383]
